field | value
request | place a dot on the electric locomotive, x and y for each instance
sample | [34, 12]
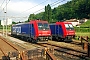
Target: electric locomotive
[37, 31]
[62, 31]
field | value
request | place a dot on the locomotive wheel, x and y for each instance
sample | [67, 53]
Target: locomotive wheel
[27, 39]
[30, 40]
[22, 37]
[34, 41]
[67, 40]
[61, 39]
[57, 38]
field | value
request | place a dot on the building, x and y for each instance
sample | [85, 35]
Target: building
[73, 21]
[9, 22]
[76, 22]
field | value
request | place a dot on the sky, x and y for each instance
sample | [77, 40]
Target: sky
[19, 10]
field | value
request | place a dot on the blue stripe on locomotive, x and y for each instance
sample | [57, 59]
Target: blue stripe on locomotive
[56, 30]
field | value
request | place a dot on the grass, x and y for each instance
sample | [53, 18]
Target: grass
[8, 28]
[83, 34]
[86, 24]
[5, 30]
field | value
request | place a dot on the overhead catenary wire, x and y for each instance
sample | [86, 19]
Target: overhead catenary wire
[2, 3]
[52, 4]
[34, 6]
[31, 7]
[5, 6]
[57, 3]
[38, 5]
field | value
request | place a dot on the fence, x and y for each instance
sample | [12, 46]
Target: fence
[85, 44]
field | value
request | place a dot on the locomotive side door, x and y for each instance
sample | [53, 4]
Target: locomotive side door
[59, 31]
[32, 31]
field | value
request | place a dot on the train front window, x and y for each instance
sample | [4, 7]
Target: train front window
[43, 26]
[40, 26]
[46, 27]
[69, 26]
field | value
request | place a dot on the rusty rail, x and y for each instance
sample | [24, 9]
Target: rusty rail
[6, 56]
[50, 56]
[43, 54]
[18, 53]
[25, 55]
[8, 43]
[2, 52]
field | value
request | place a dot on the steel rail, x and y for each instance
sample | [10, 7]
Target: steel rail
[3, 52]
[8, 43]
[84, 56]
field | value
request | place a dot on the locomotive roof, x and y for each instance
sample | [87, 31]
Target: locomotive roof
[52, 24]
[30, 22]
[20, 23]
[60, 23]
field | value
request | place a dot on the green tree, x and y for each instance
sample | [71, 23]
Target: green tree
[40, 16]
[14, 22]
[54, 15]
[72, 9]
[31, 17]
[48, 13]
[0, 22]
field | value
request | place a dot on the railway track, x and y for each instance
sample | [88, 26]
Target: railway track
[27, 47]
[62, 52]
[67, 53]
[6, 47]
[76, 42]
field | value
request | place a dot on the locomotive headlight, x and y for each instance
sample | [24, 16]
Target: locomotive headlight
[40, 34]
[48, 34]
[67, 34]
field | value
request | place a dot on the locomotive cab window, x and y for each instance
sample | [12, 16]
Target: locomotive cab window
[69, 26]
[40, 26]
[43, 26]
[46, 27]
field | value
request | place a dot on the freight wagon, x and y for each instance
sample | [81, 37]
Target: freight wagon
[62, 31]
[35, 31]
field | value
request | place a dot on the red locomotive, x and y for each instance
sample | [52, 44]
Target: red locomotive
[62, 31]
[35, 31]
